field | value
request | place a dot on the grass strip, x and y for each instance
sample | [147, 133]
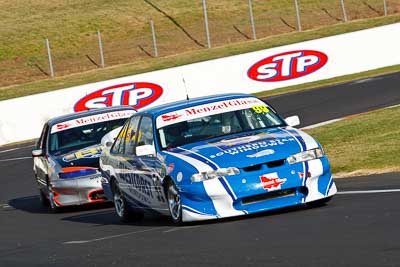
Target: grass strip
[363, 144]
[202, 55]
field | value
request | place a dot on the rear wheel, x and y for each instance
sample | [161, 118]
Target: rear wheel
[174, 203]
[121, 207]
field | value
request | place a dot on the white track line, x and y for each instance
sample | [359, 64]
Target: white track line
[368, 192]
[1, 160]
[109, 237]
[181, 228]
[8, 150]
[321, 124]
[340, 119]
[16, 148]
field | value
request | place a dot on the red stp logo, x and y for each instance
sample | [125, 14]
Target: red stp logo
[137, 95]
[287, 66]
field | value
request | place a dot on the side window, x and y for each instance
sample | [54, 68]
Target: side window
[145, 133]
[130, 137]
[42, 142]
[119, 141]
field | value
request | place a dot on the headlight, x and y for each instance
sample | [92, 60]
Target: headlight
[306, 155]
[198, 177]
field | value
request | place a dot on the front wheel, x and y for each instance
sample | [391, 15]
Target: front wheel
[174, 203]
[43, 199]
[121, 207]
[53, 206]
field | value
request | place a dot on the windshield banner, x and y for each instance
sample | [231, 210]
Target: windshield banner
[91, 120]
[213, 108]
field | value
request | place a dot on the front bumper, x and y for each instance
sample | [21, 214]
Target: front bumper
[78, 191]
[247, 193]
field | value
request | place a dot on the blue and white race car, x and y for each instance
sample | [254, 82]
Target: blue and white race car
[213, 157]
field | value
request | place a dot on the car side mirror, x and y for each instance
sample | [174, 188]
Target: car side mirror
[293, 121]
[145, 150]
[108, 144]
[37, 153]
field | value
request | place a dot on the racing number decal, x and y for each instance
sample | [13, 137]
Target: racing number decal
[260, 109]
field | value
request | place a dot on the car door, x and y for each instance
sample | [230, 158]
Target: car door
[148, 166]
[115, 161]
[40, 162]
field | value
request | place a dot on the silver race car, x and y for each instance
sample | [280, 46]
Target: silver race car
[66, 158]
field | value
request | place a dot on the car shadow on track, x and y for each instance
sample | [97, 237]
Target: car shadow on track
[32, 204]
[109, 217]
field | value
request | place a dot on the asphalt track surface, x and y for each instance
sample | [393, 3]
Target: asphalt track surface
[359, 227]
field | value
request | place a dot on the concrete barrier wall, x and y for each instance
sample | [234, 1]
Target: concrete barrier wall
[22, 118]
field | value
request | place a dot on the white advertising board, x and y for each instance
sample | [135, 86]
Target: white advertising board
[22, 118]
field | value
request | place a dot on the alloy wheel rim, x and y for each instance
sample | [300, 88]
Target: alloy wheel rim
[119, 203]
[174, 202]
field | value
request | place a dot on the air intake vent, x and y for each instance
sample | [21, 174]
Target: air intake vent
[271, 164]
[276, 163]
[268, 196]
[253, 168]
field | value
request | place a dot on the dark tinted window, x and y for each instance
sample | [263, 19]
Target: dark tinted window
[80, 137]
[42, 142]
[216, 125]
[145, 135]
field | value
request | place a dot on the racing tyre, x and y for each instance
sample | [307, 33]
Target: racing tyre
[43, 199]
[53, 207]
[174, 203]
[121, 207]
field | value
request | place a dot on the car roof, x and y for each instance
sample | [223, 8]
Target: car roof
[81, 114]
[162, 109]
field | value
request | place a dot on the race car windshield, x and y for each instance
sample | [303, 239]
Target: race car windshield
[217, 125]
[80, 137]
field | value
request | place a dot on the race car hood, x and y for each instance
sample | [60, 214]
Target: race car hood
[88, 157]
[244, 150]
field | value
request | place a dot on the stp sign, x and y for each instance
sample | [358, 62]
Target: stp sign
[287, 66]
[137, 95]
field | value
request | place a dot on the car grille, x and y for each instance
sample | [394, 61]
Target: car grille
[270, 164]
[269, 196]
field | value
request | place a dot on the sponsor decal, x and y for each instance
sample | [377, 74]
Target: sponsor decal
[170, 117]
[207, 110]
[62, 126]
[88, 153]
[262, 153]
[170, 168]
[240, 140]
[246, 148]
[271, 181]
[287, 66]
[145, 186]
[136, 95]
[115, 115]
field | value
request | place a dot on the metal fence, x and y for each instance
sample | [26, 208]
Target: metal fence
[201, 26]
